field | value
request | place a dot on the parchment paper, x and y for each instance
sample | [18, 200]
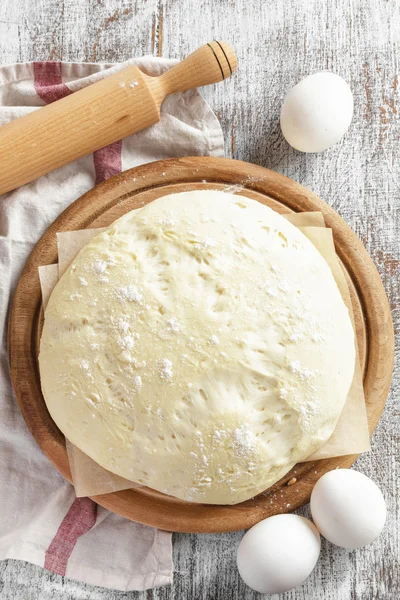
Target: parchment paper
[90, 479]
[69, 243]
[351, 433]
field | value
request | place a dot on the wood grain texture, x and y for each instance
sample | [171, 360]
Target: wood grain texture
[277, 43]
[130, 190]
[101, 114]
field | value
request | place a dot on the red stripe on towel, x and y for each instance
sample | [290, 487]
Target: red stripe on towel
[80, 519]
[48, 82]
[107, 161]
[50, 87]
[81, 516]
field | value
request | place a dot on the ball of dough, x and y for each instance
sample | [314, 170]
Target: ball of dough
[199, 346]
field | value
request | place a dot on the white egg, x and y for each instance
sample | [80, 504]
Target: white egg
[278, 554]
[348, 508]
[317, 112]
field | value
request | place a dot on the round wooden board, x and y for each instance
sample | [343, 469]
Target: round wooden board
[131, 190]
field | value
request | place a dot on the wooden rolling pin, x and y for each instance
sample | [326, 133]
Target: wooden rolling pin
[100, 114]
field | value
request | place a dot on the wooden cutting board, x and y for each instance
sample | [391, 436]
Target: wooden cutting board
[130, 190]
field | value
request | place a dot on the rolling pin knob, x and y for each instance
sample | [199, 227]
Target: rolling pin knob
[209, 64]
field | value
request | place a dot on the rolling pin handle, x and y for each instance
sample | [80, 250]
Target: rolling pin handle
[209, 64]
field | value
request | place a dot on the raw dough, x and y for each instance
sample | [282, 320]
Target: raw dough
[199, 346]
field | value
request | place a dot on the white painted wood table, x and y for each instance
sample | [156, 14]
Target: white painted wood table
[277, 43]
